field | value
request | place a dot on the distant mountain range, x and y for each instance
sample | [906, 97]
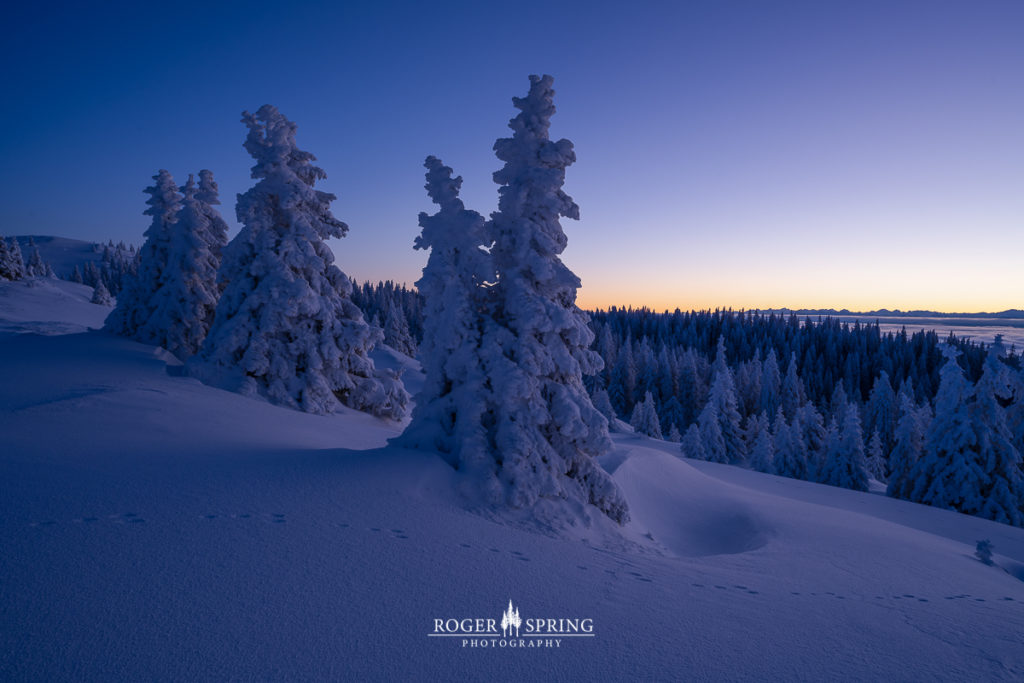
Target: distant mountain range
[1014, 313]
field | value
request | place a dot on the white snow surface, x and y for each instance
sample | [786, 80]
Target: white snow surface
[154, 528]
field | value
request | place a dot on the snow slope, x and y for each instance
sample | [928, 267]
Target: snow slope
[47, 306]
[63, 253]
[154, 528]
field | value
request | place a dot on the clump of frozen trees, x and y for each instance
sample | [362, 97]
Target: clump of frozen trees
[15, 266]
[505, 348]
[268, 314]
[285, 327]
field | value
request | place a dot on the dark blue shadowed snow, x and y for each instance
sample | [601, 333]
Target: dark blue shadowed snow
[155, 528]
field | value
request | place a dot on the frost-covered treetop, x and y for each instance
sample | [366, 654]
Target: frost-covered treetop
[442, 188]
[532, 180]
[189, 189]
[271, 141]
[164, 201]
[208, 192]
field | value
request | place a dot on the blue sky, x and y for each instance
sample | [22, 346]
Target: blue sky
[747, 154]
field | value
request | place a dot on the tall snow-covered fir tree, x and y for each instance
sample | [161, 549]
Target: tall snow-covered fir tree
[449, 412]
[536, 347]
[948, 475]
[1003, 488]
[135, 301]
[285, 327]
[185, 301]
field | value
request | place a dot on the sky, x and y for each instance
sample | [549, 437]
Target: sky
[854, 154]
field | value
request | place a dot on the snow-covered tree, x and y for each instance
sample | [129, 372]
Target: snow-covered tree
[135, 302]
[907, 449]
[762, 453]
[536, 346]
[881, 412]
[645, 418]
[809, 426]
[285, 326]
[692, 444]
[184, 304]
[723, 406]
[948, 474]
[34, 266]
[12, 267]
[450, 408]
[76, 275]
[790, 455]
[673, 435]
[1003, 488]
[396, 331]
[793, 393]
[876, 461]
[845, 464]
[771, 383]
[216, 228]
[672, 415]
[101, 296]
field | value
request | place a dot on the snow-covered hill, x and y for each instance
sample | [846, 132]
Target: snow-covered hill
[154, 528]
[63, 253]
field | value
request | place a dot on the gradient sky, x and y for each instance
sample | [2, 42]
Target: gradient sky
[850, 154]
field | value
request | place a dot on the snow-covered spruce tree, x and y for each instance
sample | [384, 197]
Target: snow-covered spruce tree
[101, 296]
[762, 453]
[692, 444]
[285, 327]
[396, 331]
[184, 304]
[645, 418]
[810, 427]
[881, 412]
[673, 434]
[216, 228]
[793, 393]
[17, 260]
[876, 461]
[449, 412]
[845, 464]
[11, 266]
[1003, 489]
[135, 301]
[790, 452]
[948, 475]
[710, 425]
[36, 267]
[906, 451]
[536, 346]
[1015, 411]
[722, 402]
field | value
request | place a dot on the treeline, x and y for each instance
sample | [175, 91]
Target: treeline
[938, 420]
